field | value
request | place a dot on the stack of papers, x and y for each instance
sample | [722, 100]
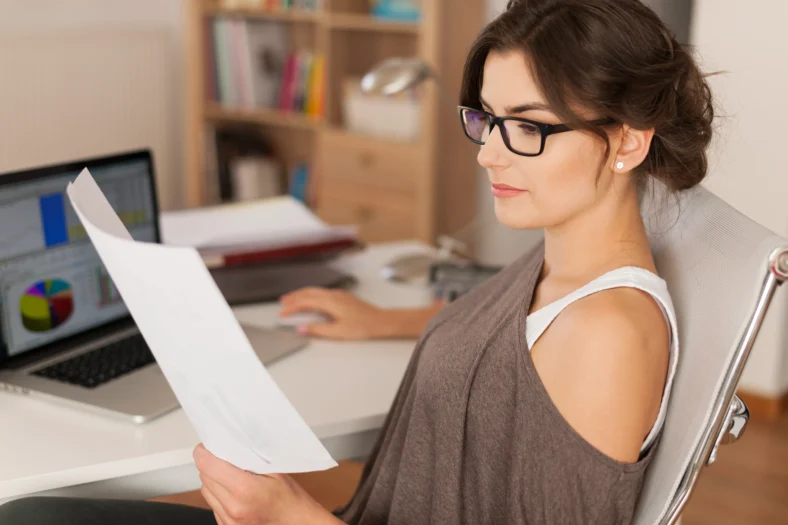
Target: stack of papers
[260, 226]
[233, 403]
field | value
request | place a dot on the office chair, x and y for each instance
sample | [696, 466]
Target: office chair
[722, 270]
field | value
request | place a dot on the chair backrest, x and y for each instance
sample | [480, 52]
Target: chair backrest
[716, 264]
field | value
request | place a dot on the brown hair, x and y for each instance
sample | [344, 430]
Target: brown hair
[617, 59]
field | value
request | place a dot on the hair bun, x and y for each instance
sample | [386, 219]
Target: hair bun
[683, 127]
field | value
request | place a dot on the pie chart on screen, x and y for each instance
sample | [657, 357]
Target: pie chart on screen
[46, 305]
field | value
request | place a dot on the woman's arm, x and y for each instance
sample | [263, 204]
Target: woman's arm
[353, 318]
[604, 362]
[408, 323]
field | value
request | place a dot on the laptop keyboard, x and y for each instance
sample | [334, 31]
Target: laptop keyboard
[94, 368]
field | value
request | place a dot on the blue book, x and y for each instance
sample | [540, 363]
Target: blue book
[222, 35]
[397, 10]
[299, 181]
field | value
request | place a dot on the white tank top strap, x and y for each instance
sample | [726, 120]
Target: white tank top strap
[625, 277]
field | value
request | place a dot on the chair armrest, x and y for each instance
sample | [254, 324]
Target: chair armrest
[733, 427]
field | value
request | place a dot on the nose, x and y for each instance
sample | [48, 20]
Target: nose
[493, 153]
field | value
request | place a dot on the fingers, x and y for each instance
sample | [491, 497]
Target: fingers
[220, 492]
[310, 299]
[218, 511]
[303, 293]
[237, 505]
[328, 331]
[231, 477]
[306, 306]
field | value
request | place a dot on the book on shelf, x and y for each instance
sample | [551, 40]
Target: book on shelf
[210, 75]
[272, 5]
[315, 106]
[303, 84]
[299, 183]
[266, 53]
[304, 61]
[242, 64]
[230, 145]
[255, 177]
[397, 10]
[304, 5]
[254, 67]
[226, 93]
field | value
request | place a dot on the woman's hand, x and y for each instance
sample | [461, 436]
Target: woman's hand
[351, 318]
[238, 497]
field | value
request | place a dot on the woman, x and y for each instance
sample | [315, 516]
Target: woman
[539, 396]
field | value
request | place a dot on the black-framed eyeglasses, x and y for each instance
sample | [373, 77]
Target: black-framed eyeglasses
[522, 136]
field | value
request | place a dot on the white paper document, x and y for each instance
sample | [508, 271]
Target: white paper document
[269, 223]
[233, 403]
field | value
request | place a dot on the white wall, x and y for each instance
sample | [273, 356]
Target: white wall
[749, 171]
[59, 136]
[748, 166]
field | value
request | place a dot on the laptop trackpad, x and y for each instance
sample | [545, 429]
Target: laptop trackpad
[271, 344]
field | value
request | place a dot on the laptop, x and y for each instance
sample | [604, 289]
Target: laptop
[65, 333]
[257, 283]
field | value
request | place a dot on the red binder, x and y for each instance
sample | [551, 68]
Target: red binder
[321, 250]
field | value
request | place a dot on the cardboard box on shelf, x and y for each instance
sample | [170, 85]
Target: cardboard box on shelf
[396, 117]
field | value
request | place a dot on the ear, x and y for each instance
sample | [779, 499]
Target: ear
[632, 149]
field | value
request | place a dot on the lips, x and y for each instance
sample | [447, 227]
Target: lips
[504, 190]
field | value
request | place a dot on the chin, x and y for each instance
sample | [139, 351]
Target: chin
[519, 216]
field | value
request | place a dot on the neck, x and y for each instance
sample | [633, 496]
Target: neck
[607, 235]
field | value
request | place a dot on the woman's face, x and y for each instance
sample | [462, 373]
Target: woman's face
[554, 187]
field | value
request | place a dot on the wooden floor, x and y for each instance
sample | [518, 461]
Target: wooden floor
[748, 485]
[749, 482]
[332, 488]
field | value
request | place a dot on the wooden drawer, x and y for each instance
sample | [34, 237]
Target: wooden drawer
[383, 164]
[380, 215]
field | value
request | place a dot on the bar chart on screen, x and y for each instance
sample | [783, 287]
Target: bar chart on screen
[47, 221]
[107, 293]
[125, 198]
[22, 228]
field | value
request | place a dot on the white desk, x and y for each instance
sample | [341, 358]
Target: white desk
[342, 389]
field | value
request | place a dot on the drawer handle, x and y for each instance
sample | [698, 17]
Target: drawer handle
[364, 213]
[367, 159]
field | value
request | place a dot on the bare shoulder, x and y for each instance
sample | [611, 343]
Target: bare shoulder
[603, 362]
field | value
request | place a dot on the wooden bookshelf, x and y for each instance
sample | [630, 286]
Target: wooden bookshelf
[219, 114]
[360, 22]
[336, 20]
[392, 189]
[283, 15]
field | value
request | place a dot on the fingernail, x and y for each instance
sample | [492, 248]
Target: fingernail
[302, 329]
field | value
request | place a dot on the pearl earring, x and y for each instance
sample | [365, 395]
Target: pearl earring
[620, 165]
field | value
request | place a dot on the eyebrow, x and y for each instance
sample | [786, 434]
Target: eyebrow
[522, 108]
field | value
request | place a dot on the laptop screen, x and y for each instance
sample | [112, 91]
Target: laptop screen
[52, 282]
